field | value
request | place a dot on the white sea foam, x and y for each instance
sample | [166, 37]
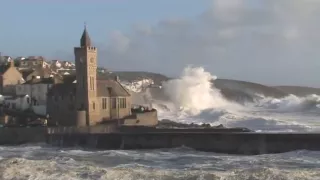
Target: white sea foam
[193, 98]
[193, 92]
[178, 164]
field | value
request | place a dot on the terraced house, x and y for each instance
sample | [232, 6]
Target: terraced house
[9, 78]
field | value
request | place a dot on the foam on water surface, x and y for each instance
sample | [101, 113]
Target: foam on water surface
[178, 164]
[193, 98]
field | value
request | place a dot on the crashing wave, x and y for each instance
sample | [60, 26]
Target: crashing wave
[193, 98]
[138, 85]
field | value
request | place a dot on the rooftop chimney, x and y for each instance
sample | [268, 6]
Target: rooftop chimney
[12, 63]
[116, 78]
[109, 90]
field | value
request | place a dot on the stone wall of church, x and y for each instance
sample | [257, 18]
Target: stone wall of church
[143, 119]
[119, 112]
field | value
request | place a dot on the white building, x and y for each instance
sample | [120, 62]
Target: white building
[55, 64]
[36, 89]
[21, 102]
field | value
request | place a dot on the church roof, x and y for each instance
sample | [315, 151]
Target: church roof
[85, 39]
[106, 88]
[111, 88]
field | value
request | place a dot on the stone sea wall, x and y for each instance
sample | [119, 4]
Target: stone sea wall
[223, 141]
[22, 135]
[220, 142]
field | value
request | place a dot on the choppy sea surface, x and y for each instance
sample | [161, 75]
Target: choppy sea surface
[39, 161]
[189, 99]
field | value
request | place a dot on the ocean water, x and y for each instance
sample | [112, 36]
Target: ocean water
[190, 98]
[193, 98]
[35, 162]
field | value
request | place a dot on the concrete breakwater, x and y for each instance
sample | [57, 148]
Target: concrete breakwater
[232, 141]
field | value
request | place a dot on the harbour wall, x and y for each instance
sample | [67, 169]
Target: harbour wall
[22, 135]
[230, 141]
[245, 143]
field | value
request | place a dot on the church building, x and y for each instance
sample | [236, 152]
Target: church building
[87, 101]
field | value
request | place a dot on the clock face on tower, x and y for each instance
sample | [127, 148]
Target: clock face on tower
[91, 60]
[81, 59]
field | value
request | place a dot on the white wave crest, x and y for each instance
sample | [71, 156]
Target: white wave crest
[193, 92]
[180, 164]
[291, 103]
[192, 98]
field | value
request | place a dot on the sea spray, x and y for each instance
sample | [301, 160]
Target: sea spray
[193, 98]
[193, 91]
[290, 103]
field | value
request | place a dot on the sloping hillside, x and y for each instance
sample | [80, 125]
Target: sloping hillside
[229, 85]
[231, 89]
[299, 90]
[135, 75]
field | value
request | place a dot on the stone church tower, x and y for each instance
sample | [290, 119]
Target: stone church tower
[86, 76]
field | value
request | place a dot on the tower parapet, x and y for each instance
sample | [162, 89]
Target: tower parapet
[86, 76]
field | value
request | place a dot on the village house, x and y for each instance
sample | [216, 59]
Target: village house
[17, 102]
[32, 62]
[86, 101]
[38, 72]
[37, 89]
[9, 77]
[55, 64]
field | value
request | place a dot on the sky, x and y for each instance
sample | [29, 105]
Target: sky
[274, 42]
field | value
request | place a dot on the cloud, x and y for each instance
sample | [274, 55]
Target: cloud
[267, 41]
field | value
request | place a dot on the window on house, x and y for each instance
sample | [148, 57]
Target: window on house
[104, 103]
[122, 102]
[93, 106]
[114, 103]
